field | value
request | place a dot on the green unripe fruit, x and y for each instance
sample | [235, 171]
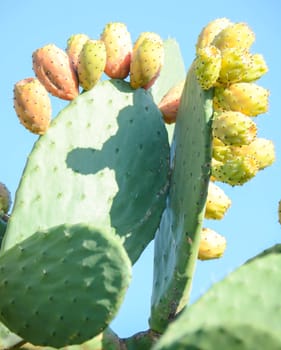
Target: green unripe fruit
[234, 128]
[5, 199]
[74, 46]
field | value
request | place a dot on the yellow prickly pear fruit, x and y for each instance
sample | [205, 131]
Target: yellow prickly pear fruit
[217, 202]
[53, 68]
[235, 169]
[207, 66]
[212, 245]
[261, 149]
[247, 98]
[237, 35]
[32, 105]
[209, 32]
[147, 60]
[5, 199]
[91, 63]
[234, 128]
[74, 46]
[169, 104]
[239, 65]
[118, 44]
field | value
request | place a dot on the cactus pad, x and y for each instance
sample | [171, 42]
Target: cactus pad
[105, 161]
[64, 285]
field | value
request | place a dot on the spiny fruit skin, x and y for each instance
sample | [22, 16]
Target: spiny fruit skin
[32, 105]
[240, 65]
[209, 32]
[247, 98]
[91, 64]
[53, 68]
[237, 35]
[169, 104]
[212, 245]
[5, 199]
[234, 128]
[207, 66]
[217, 202]
[118, 44]
[147, 61]
[235, 170]
[74, 46]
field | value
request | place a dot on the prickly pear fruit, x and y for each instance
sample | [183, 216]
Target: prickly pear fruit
[209, 32]
[53, 68]
[261, 149]
[91, 64]
[118, 44]
[32, 105]
[239, 65]
[5, 199]
[147, 35]
[237, 35]
[207, 66]
[169, 104]
[248, 98]
[235, 169]
[234, 128]
[217, 202]
[147, 61]
[74, 46]
[212, 245]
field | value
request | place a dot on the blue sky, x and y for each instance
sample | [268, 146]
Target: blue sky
[251, 223]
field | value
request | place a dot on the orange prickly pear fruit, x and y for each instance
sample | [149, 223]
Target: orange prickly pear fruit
[74, 46]
[239, 65]
[237, 35]
[118, 44]
[207, 66]
[217, 202]
[212, 245]
[234, 128]
[5, 199]
[53, 68]
[32, 105]
[147, 60]
[91, 64]
[209, 32]
[169, 104]
[247, 98]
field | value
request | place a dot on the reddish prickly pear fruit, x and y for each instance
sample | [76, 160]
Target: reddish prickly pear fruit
[169, 104]
[53, 68]
[74, 46]
[237, 35]
[118, 44]
[5, 199]
[32, 105]
[212, 245]
[234, 128]
[248, 98]
[217, 202]
[147, 60]
[209, 32]
[207, 66]
[239, 65]
[91, 64]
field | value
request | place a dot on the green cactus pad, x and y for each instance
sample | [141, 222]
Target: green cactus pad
[105, 161]
[64, 285]
[177, 241]
[240, 312]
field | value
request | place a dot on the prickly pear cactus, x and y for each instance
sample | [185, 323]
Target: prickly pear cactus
[131, 159]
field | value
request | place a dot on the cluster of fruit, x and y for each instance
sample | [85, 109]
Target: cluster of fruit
[61, 72]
